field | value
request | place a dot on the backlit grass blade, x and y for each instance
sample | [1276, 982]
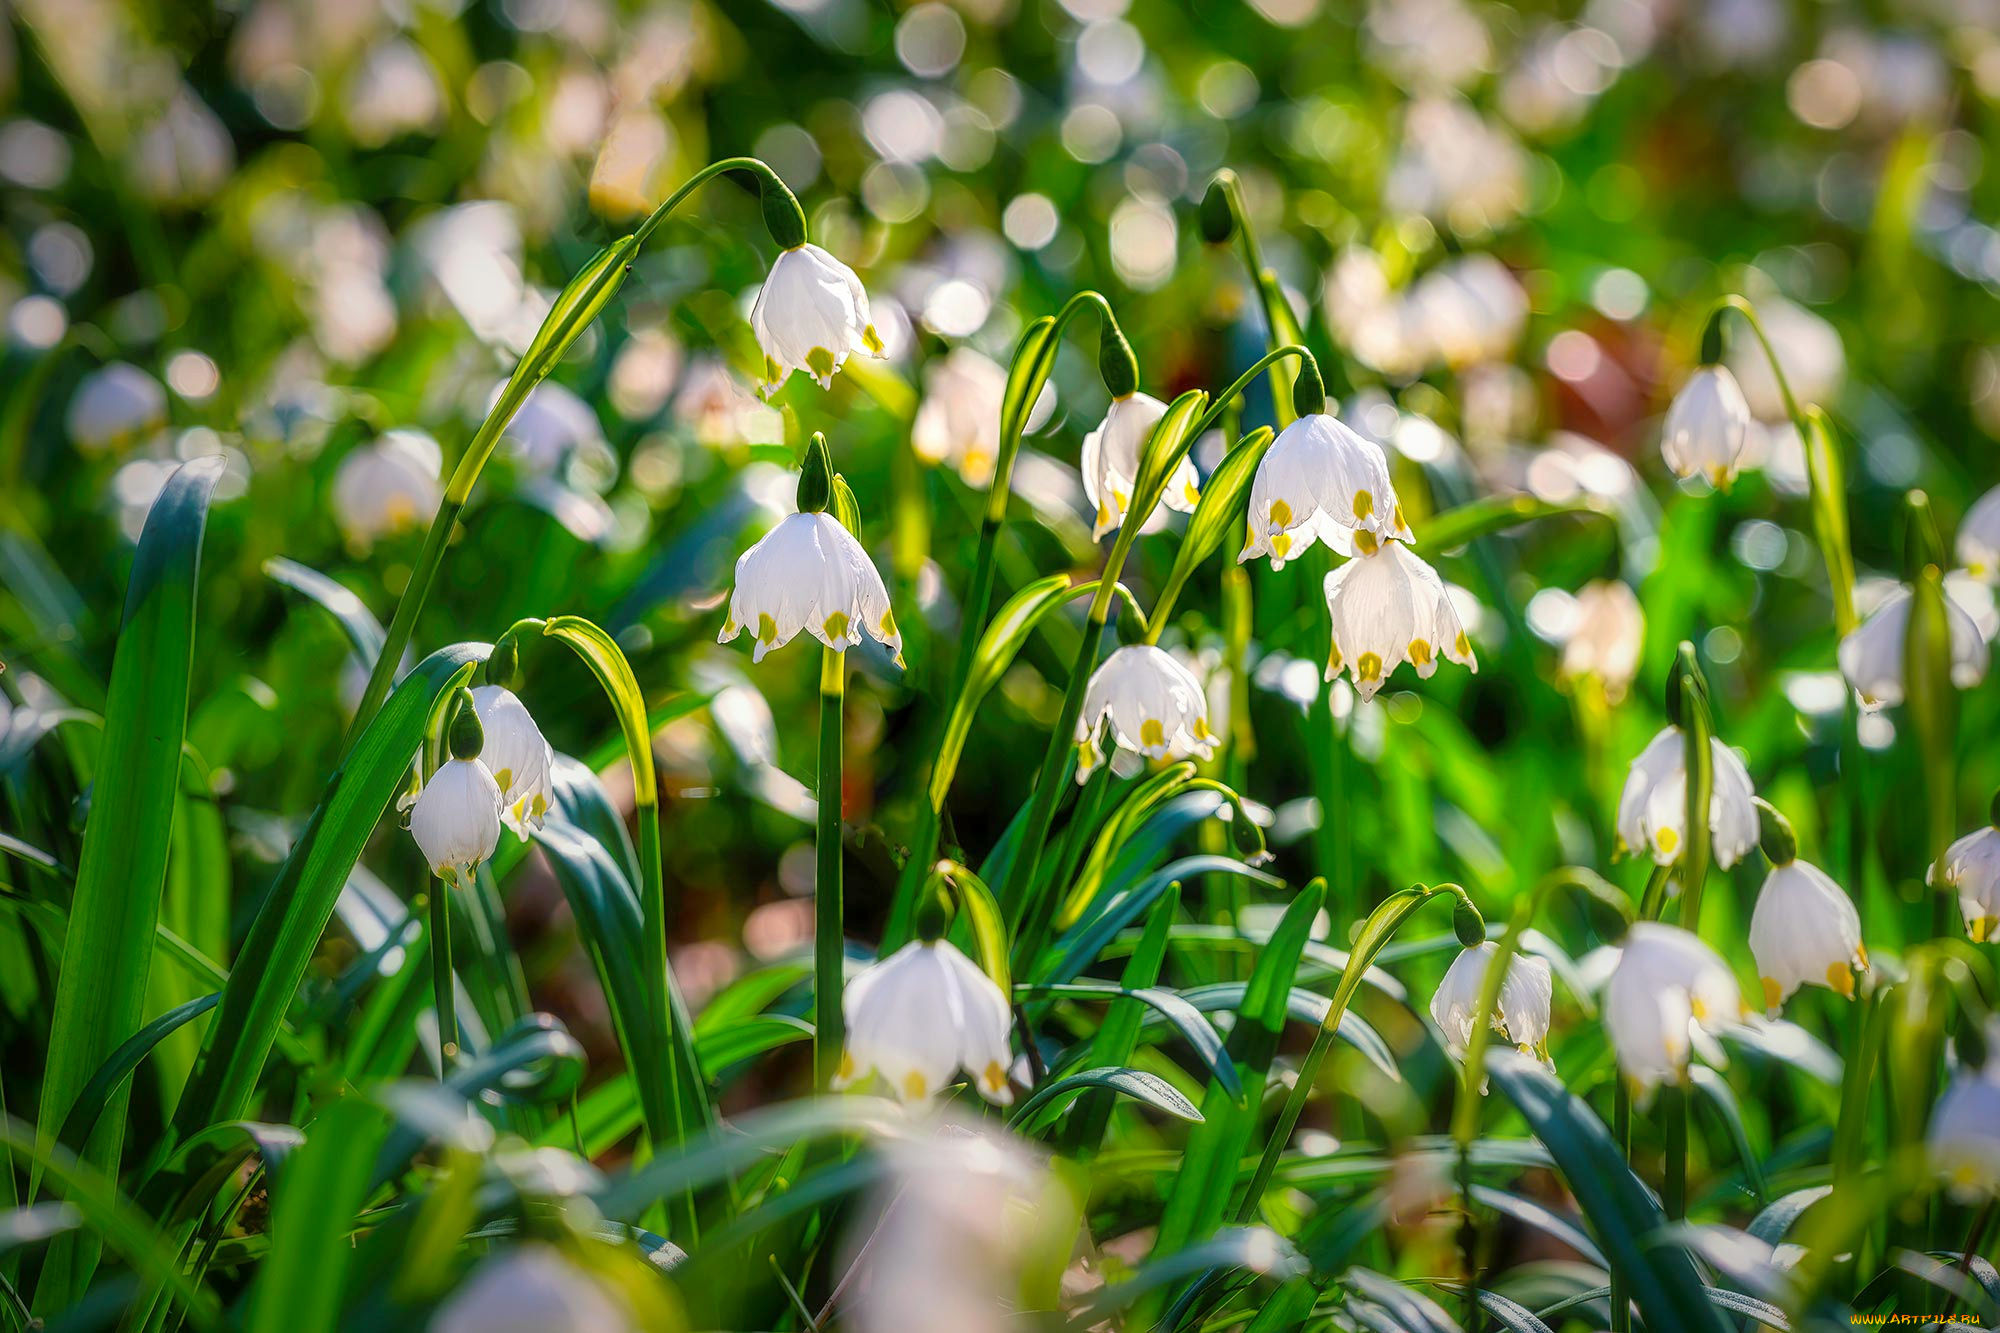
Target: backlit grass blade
[122, 872]
[326, 1182]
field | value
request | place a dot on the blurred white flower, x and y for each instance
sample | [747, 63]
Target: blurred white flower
[1521, 1014]
[959, 419]
[1154, 706]
[1111, 457]
[811, 313]
[920, 1016]
[1804, 931]
[1668, 991]
[1389, 607]
[1964, 1137]
[1705, 427]
[1979, 537]
[1808, 348]
[1608, 636]
[115, 406]
[715, 406]
[394, 91]
[552, 425]
[810, 573]
[184, 156]
[1470, 309]
[1455, 168]
[387, 487]
[532, 1289]
[456, 819]
[1319, 481]
[517, 757]
[1652, 810]
[1972, 870]
[1871, 657]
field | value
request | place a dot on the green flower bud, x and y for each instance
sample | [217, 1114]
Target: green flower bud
[783, 217]
[1247, 838]
[933, 917]
[1218, 220]
[816, 477]
[1775, 834]
[1309, 390]
[1116, 363]
[1467, 924]
[503, 664]
[467, 737]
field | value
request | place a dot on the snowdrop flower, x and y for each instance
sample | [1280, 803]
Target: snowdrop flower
[394, 91]
[1804, 931]
[810, 314]
[1522, 1013]
[532, 1289]
[1389, 607]
[387, 487]
[1155, 707]
[921, 1015]
[1113, 453]
[1652, 810]
[1319, 481]
[553, 424]
[1609, 635]
[456, 819]
[1705, 427]
[1972, 869]
[1668, 991]
[1872, 656]
[959, 419]
[718, 410]
[810, 573]
[1979, 537]
[517, 757]
[115, 407]
[1964, 1138]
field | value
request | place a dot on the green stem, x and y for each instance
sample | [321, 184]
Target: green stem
[1621, 1126]
[1278, 319]
[1325, 759]
[828, 923]
[443, 994]
[1674, 1133]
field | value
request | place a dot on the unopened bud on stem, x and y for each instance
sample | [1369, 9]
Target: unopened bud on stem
[467, 738]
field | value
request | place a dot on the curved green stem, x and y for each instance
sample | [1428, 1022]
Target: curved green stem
[1281, 324]
[1243, 381]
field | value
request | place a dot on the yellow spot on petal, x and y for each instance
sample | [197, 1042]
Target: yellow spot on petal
[871, 340]
[1366, 543]
[1192, 493]
[1396, 516]
[1861, 956]
[540, 806]
[504, 779]
[398, 513]
[1333, 661]
[914, 1086]
[1369, 667]
[1461, 645]
[820, 362]
[1364, 504]
[846, 1070]
[1840, 978]
[888, 625]
[995, 1078]
[1151, 733]
[1103, 515]
[773, 372]
[1981, 928]
[1281, 544]
[836, 626]
[1281, 513]
[1420, 652]
[1667, 839]
[1774, 994]
[1201, 731]
[767, 628]
[1698, 1008]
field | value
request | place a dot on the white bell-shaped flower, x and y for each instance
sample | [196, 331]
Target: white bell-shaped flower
[958, 420]
[532, 1289]
[387, 487]
[1652, 810]
[1705, 427]
[1668, 991]
[1979, 537]
[115, 406]
[553, 424]
[1319, 481]
[1389, 607]
[1607, 638]
[1871, 658]
[1972, 870]
[1804, 931]
[1964, 1137]
[1521, 1014]
[517, 757]
[456, 819]
[718, 410]
[1111, 457]
[810, 314]
[810, 573]
[921, 1015]
[1154, 707]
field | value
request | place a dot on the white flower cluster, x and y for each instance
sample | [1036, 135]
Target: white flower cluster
[457, 817]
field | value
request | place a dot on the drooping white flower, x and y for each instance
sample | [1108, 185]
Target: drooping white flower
[115, 406]
[1608, 637]
[1705, 427]
[1652, 810]
[456, 819]
[553, 424]
[1153, 704]
[1389, 607]
[1471, 309]
[1668, 992]
[959, 419]
[1319, 481]
[1972, 869]
[1521, 1014]
[1809, 349]
[1111, 457]
[1804, 932]
[810, 573]
[1964, 1137]
[1871, 657]
[517, 757]
[393, 91]
[719, 410]
[1979, 537]
[532, 1289]
[920, 1016]
[810, 314]
[387, 487]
